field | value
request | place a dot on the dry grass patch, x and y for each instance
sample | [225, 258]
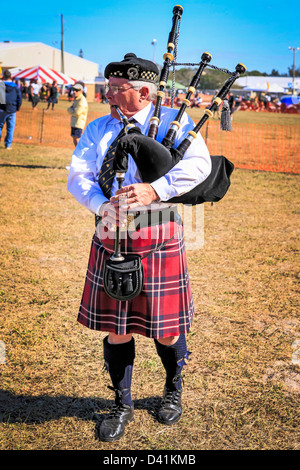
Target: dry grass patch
[241, 384]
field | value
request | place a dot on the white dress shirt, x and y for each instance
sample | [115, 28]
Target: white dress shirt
[89, 154]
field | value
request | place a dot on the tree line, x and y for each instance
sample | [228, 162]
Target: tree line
[213, 79]
[275, 73]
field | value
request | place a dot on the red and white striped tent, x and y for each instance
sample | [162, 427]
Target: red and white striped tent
[44, 74]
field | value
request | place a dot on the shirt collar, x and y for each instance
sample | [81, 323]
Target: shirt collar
[141, 116]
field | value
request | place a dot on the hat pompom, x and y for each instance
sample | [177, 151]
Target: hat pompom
[130, 55]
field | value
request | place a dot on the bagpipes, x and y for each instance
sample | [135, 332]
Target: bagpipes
[154, 159]
[168, 59]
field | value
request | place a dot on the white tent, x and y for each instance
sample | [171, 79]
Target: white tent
[254, 88]
[276, 88]
[15, 70]
[260, 81]
[266, 87]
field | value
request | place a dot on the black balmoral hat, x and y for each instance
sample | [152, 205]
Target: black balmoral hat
[132, 68]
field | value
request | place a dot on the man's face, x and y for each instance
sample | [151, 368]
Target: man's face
[125, 97]
[77, 93]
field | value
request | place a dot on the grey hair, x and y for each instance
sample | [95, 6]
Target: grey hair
[138, 84]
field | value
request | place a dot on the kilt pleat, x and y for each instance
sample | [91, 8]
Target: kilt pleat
[164, 307]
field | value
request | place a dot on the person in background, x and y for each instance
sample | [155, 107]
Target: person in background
[44, 92]
[78, 111]
[217, 111]
[84, 88]
[197, 101]
[13, 102]
[70, 93]
[267, 101]
[52, 95]
[103, 95]
[34, 93]
[231, 102]
[26, 89]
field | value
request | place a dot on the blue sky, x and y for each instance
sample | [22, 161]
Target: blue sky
[255, 33]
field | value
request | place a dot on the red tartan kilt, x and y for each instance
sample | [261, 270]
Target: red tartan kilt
[165, 305]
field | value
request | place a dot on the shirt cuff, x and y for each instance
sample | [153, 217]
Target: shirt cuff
[163, 189]
[96, 203]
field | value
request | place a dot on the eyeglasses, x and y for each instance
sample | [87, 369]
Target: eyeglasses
[115, 89]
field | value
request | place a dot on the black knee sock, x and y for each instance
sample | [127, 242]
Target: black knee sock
[119, 360]
[173, 359]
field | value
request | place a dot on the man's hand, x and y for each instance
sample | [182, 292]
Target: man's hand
[114, 211]
[111, 216]
[138, 194]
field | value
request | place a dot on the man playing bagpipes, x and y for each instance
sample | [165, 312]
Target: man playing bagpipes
[164, 309]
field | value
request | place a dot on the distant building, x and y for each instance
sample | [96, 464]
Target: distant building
[28, 54]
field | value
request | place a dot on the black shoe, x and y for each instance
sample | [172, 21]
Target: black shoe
[170, 410]
[113, 427]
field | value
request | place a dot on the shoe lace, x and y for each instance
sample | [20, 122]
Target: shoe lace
[171, 397]
[118, 407]
[116, 411]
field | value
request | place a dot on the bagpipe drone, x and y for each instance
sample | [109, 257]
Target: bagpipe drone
[154, 159]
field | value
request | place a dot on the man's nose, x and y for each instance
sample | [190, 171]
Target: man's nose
[108, 94]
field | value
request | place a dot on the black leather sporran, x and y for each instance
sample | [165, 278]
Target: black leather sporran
[124, 280]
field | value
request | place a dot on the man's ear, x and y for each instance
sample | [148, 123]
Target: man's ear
[144, 93]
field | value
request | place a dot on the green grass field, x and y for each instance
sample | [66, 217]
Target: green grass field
[242, 382]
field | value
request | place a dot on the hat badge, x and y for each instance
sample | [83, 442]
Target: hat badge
[133, 73]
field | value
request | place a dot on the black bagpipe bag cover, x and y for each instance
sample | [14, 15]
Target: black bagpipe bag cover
[154, 160]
